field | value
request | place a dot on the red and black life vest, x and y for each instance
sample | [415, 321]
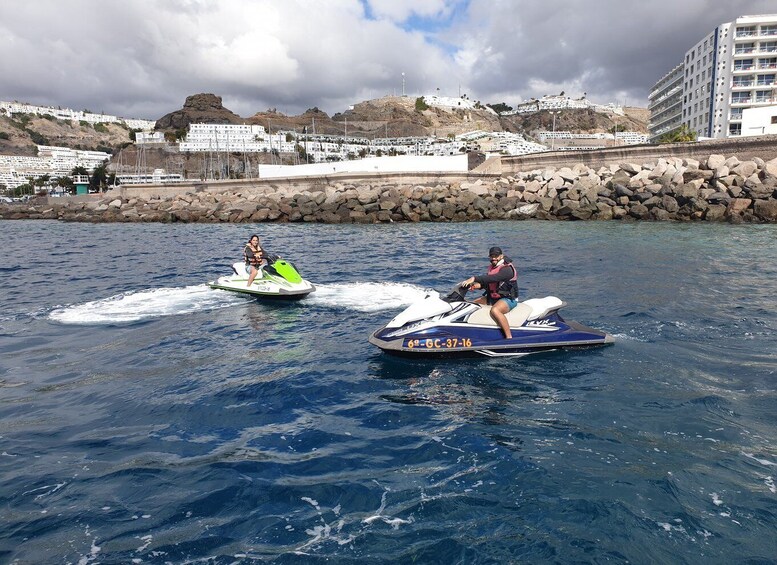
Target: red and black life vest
[504, 289]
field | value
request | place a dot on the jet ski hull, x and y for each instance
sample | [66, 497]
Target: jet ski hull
[466, 330]
[269, 284]
[262, 291]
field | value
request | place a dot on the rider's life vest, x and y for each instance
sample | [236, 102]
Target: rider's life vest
[250, 257]
[504, 289]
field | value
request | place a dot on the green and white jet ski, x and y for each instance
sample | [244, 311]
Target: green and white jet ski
[277, 280]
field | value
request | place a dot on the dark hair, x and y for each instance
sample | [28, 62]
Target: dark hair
[253, 235]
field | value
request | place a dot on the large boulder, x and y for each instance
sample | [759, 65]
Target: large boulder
[766, 210]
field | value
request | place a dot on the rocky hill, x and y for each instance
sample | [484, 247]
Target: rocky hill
[198, 108]
[397, 116]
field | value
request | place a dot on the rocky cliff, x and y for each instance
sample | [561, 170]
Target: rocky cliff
[198, 108]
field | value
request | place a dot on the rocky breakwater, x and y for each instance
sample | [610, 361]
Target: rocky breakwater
[717, 189]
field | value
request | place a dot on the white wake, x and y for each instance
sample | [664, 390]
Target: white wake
[367, 296]
[146, 304]
[156, 303]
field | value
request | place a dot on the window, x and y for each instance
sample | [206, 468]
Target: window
[769, 30]
[735, 129]
[743, 65]
[746, 31]
[740, 97]
[743, 81]
[744, 48]
[769, 46]
[774, 119]
[770, 63]
[765, 80]
[763, 96]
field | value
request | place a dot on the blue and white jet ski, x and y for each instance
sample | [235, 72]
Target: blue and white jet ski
[453, 326]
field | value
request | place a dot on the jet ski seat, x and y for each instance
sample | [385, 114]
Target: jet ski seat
[516, 317]
[525, 311]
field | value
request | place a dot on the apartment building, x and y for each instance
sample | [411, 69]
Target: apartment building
[665, 103]
[10, 108]
[53, 161]
[557, 102]
[727, 71]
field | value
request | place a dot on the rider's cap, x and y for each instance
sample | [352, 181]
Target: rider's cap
[494, 251]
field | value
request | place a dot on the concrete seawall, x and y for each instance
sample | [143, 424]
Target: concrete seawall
[744, 149]
[297, 184]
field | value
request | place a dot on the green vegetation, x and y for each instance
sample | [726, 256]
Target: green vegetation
[37, 138]
[101, 127]
[500, 107]
[99, 179]
[680, 135]
[4, 135]
[84, 123]
[420, 104]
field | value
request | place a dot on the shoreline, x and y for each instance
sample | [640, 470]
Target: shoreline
[716, 189]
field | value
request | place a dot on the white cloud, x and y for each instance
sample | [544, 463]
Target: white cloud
[141, 58]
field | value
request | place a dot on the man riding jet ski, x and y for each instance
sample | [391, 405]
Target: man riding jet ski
[501, 288]
[264, 275]
[494, 325]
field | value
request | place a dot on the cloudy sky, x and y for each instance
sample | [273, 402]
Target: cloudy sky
[142, 58]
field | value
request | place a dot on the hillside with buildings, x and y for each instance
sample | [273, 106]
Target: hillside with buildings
[203, 139]
[20, 134]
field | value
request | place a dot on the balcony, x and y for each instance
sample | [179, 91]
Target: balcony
[766, 66]
[743, 84]
[741, 101]
[744, 68]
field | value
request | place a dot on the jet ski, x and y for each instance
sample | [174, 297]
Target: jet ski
[278, 279]
[453, 326]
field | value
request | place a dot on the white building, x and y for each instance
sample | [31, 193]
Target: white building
[149, 137]
[665, 103]
[559, 102]
[631, 137]
[10, 108]
[451, 103]
[234, 138]
[52, 161]
[159, 176]
[729, 70]
[759, 121]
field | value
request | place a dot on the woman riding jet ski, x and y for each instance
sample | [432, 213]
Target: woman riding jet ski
[453, 326]
[264, 275]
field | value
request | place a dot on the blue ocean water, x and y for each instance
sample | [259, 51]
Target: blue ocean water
[145, 418]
